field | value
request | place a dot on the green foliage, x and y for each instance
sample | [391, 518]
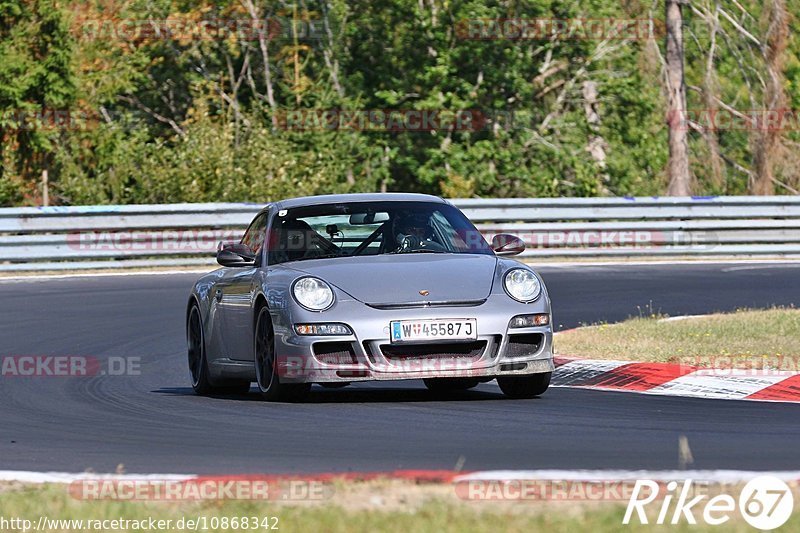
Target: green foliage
[36, 78]
[213, 161]
[184, 118]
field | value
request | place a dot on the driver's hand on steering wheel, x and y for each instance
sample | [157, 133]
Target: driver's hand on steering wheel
[409, 242]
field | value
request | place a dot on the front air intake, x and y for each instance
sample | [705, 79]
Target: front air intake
[524, 345]
[411, 352]
[335, 353]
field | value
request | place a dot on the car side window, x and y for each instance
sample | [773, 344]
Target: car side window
[254, 236]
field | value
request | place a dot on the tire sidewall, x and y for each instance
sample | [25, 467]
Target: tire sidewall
[202, 383]
[263, 314]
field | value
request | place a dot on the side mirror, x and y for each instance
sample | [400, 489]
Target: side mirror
[507, 245]
[235, 255]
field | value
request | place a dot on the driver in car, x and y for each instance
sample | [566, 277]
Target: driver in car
[414, 233]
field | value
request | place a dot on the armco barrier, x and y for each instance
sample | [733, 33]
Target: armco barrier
[59, 238]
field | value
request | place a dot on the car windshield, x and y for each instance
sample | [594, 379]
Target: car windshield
[372, 228]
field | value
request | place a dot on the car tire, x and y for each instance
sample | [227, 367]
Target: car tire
[267, 378]
[198, 362]
[450, 384]
[196, 348]
[525, 387]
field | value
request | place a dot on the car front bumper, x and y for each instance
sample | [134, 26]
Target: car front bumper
[369, 355]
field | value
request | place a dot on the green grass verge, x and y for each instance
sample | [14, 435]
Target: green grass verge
[747, 338]
[434, 514]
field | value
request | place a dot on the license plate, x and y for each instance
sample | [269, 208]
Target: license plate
[425, 330]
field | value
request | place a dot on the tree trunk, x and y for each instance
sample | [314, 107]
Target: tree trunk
[768, 133]
[264, 45]
[678, 166]
[717, 169]
[597, 145]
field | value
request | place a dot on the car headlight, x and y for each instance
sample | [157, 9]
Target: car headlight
[522, 285]
[313, 294]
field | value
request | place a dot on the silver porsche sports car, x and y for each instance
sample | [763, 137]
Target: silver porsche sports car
[362, 287]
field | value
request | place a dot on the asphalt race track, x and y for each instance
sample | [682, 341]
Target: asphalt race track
[153, 423]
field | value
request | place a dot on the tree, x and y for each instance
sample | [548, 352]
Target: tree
[768, 136]
[186, 114]
[37, 90]
[678, 166]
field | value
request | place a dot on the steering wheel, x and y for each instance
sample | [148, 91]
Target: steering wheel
[410, 242]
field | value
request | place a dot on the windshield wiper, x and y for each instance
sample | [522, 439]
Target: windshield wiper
[323, 256]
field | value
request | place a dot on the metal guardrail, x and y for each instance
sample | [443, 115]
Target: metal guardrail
[61, 238]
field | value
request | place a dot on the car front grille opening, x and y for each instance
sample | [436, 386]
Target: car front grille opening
[410, 352]
[335, 353]
[494, 347]
[513, 367]
[368, 351]
[522, 345]
[351, 374]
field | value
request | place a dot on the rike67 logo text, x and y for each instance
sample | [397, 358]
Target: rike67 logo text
[765, 503]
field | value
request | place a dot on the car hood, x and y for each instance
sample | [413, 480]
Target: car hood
[384, 280]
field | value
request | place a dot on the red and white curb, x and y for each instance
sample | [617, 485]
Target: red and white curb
[711, 476]
[421, 476]
[415, 476]
[38, 478]
[665, 379]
